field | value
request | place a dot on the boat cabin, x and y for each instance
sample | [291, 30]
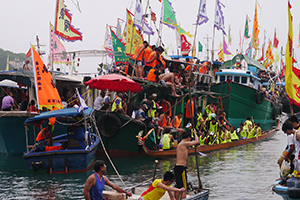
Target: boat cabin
[244, 77]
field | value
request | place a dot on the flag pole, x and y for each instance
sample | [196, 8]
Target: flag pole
[213, 40]
[195, 34]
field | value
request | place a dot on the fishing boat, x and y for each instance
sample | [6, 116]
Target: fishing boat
[81, 144]
[237, 91]
[287, 193]
[209, 148]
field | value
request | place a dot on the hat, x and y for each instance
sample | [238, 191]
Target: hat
[188, 125]
[145, 106]
[213, 115]
[211, 133]
[154, 95]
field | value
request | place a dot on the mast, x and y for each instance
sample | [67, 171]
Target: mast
[213, 40]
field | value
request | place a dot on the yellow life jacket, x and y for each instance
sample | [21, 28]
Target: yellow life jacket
[251, 134]
[166, 141]
[243, 132]
[258, 133]
[234, 136]
[153, 110]
[199, 117]
[208, 111]
[221, 138]
[202, 140]
[227, 135]
[213, 128]
[114, 105]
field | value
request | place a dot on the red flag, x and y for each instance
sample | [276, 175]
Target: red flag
[28, 54]
[276, 41]
[153, 16]
[185, 45]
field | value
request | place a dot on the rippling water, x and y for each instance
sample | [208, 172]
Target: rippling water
[245, 172]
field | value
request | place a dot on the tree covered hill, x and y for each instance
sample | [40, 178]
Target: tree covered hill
[16, 60]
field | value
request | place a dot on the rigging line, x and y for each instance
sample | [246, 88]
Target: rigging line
[108, 157]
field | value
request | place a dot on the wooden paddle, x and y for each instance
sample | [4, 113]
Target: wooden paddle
[156, 162]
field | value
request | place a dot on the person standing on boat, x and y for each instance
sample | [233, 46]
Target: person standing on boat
[7, 102]
[138, 57]
[159, 187]
[25, 66]
[181, 161]
[189, 114]
[94, 184]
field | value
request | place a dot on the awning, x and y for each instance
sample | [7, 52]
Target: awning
[249, 61]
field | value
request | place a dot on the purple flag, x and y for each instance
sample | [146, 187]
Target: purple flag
[219, 17]
[139, 19]
[225, 47]
[202, 17]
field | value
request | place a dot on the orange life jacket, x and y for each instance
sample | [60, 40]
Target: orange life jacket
[40, 137]
[152, 64]
[177, 122]
[53, 148]
[165, 108]
[151, 76]
[187, 109]
[137, 50]
[147, 53]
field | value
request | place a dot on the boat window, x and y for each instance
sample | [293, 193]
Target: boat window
[244, 79]
[236, 79]
[222, 78]
[229, 77]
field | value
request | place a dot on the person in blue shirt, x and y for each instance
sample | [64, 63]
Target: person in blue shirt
[94, 184]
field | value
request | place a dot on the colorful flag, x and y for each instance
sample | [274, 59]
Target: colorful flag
[249, 50]
[225, 47]
[185, 45]
[221, 54]
[263, 48]
[46, 91]
[108, 44]
[7, 63]
[139, 19]
[269, 53]
[58, 53]
[255, 39]
[182, 31]
[200, 47]
[282, 74]
[63, 26]
[83, 105]
[118, 47]
[276, 41]
[229, 36]
[168, 15]
[292, 82]
[246, 32]
[202, 17]
[129, 26]
[219, 17]
[119, 30]
[28, 54]
[153, 16]
[277, 56]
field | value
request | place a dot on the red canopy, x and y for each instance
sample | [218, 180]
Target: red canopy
[114, 82]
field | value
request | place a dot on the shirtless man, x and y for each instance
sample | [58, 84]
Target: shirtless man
[164, 78]
[181, 157]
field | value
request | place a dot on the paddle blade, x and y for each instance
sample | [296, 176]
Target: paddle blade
[202, 154]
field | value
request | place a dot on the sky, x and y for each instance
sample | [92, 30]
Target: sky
[21, 21]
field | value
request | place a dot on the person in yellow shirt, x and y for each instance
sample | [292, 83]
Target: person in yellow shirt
[159, 187]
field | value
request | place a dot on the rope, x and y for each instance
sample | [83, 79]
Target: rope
[268, 190]
[126, 123]
[94, 121]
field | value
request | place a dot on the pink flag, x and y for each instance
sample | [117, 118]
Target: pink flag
[225, 48]
[58, 53]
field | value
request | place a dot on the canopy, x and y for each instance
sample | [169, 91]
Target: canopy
[57, 113]
[249, 61]
[114, 82]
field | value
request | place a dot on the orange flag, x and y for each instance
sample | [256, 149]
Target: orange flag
[255, 40]
[269, 53]
[292, 82]
[46, 92]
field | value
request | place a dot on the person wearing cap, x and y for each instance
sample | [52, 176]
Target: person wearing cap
[212, 125]
[212, 138]
[143, 116]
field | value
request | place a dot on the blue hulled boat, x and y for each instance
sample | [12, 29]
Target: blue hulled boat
[287, 193]
[79, 142]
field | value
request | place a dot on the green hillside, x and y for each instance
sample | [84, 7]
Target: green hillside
[16, 60]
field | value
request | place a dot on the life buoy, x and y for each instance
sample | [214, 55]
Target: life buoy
[108, 118]
[260, 96]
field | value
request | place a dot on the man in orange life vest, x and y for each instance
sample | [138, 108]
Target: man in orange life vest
[138, 57]
[190, 113]
[44, 134]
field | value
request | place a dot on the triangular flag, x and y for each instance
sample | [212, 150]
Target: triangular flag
[219, 17]
[225, 47]
[168, 17]
[200, 47]
[276, 41]
[63, 26]
[202, 17]
[139, 19]
[7, 63]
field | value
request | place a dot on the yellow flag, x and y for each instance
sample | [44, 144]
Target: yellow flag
[129, 27]
[269, 53]
[136, 40]
[292, 82]
[7, 63]
[221, 54]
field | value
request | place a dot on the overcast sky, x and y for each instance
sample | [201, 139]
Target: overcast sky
[22, 20]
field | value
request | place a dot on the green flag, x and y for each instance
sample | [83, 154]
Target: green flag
[246, 33]
[200, 47]
[168, 18]
[119, 47]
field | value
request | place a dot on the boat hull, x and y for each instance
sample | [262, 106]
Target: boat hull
[285, 192]
[63, 161]
[125, 143]
[12, 132]
[240, 103]
[208, 148]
